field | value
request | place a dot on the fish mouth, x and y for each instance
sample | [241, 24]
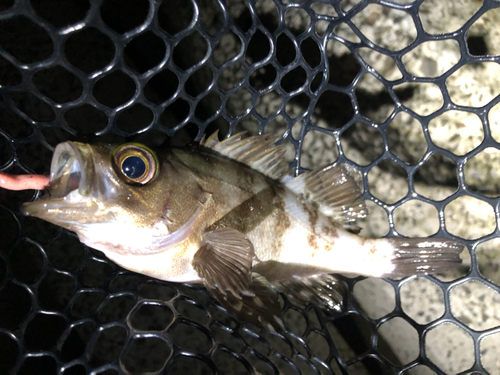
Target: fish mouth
[69, 189]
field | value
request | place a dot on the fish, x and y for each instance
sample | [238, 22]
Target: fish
[229, 215]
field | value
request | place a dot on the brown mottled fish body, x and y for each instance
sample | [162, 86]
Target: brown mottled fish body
[227, 214]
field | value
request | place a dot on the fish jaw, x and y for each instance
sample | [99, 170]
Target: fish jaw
[70, 198]
[82, 183]
[69, 212]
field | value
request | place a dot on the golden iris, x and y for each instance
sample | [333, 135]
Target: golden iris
[136, 163]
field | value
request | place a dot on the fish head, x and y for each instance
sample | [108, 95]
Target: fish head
[119, 198]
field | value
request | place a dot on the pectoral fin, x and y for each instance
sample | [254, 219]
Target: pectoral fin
[225, 262]
[324, 291]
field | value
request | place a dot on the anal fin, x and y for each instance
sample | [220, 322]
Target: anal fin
[262, 308]
[224, 262]
[325, 291]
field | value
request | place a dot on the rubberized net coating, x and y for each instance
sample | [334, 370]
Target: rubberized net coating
[120, 70]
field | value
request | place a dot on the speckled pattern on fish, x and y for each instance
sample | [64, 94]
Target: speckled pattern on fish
[227, 214]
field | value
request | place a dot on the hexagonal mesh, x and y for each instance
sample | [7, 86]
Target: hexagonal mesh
[406, 91]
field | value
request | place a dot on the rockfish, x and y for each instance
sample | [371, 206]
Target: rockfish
[228, 214]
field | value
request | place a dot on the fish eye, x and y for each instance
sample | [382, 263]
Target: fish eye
[133, 167]
[136, 163]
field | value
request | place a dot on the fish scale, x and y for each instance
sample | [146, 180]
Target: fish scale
[228, 215]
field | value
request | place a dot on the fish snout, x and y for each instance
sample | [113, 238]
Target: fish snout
[71, 176]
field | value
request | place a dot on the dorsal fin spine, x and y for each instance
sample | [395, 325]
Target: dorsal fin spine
[258, 152]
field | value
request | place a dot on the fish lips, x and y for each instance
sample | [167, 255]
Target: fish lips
[70, 188]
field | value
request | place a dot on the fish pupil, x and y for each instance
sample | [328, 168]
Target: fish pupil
[133, 167]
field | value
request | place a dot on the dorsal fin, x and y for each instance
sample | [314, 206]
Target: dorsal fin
[258, 152]
[336, 192]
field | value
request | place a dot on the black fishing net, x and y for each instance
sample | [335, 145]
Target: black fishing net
[406, 91]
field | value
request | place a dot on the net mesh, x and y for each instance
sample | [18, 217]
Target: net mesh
[404, 91]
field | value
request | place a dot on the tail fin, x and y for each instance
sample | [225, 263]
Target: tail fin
[421, 256]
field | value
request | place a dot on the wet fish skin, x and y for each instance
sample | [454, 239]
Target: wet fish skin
[226, 214]
[127, 222]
